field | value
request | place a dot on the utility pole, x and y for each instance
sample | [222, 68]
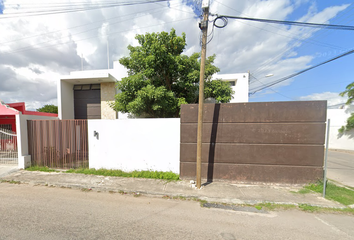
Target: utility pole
[204, 27]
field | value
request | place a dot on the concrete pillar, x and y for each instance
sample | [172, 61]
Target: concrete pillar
[108, 92]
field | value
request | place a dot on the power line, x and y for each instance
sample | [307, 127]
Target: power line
[298, 73]
[77, 9]
[287, 49]
[112, 33]
[32, 47]
[271, 88]
[302, 24]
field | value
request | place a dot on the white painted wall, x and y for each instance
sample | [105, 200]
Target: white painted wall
[338, 119]
[65, 100]
[135, 144]
[24, 160]
[241, 87]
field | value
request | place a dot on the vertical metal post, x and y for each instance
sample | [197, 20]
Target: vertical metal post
[325, 160]
[204, 28]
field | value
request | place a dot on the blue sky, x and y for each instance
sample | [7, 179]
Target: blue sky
[1, 6]
[324, 80]
[37, 50]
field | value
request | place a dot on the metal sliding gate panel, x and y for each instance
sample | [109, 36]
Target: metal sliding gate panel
[58, 143]
[256, 142]
[8, 147]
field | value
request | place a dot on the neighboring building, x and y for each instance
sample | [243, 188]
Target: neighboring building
[239, 83]
[8, 112]
[338, 114]
[88, 94]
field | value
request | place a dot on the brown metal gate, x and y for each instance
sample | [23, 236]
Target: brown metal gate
[58, 143]
[256, 142]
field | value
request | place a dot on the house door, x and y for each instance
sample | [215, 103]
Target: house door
[87, 101]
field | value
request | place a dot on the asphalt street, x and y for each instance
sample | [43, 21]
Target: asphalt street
[340, 167]
[39, 212]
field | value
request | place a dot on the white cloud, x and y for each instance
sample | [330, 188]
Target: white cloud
[331, 97]
[35, 50]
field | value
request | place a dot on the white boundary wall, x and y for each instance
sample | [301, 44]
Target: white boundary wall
[24, 159]
[338, 119]
[135, 144]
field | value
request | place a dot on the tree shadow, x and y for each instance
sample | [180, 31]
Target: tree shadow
[350, 134]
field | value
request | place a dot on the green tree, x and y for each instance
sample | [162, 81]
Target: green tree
[48, 108]
[160, 78]
[349, 92]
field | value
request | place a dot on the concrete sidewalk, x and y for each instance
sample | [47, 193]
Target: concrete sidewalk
[7, 169]
[223, 192]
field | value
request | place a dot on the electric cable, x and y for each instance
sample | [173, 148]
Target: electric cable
[78, 9]
[254, 90]
[87, 30]
[302, 24]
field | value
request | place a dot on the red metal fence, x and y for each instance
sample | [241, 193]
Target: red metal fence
[58, 143]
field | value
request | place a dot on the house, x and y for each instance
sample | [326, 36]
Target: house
[88, 94]
[8, 112]
[239, 83]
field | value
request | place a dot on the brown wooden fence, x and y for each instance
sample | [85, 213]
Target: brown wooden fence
[256, 142]
[58, 143]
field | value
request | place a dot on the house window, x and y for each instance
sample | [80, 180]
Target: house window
[87, 87]
[232, 83]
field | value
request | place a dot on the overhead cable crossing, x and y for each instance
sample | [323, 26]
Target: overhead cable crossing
[224, 19]
[298, 73]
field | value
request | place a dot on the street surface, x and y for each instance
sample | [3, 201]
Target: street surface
[38, 212]
[340, 167]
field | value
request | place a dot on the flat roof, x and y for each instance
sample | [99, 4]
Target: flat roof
[89, 77]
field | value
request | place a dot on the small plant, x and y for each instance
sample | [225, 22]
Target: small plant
[86, 189]
[136, 194]
[309, 208]
[258, 207]
[180, 198]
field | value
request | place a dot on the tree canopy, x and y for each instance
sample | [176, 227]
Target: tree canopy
[161, 78]
[48, 108]
[349, 92]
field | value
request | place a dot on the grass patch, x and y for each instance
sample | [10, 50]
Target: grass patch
[42, 169]
[303, 191]
[120, 173]
[273, 206]
[342, 195]
[11, 181]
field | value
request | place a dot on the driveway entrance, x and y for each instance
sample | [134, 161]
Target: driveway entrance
[341, 167]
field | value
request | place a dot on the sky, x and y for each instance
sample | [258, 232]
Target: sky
[38, 45]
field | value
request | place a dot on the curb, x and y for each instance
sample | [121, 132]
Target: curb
[152, 194]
